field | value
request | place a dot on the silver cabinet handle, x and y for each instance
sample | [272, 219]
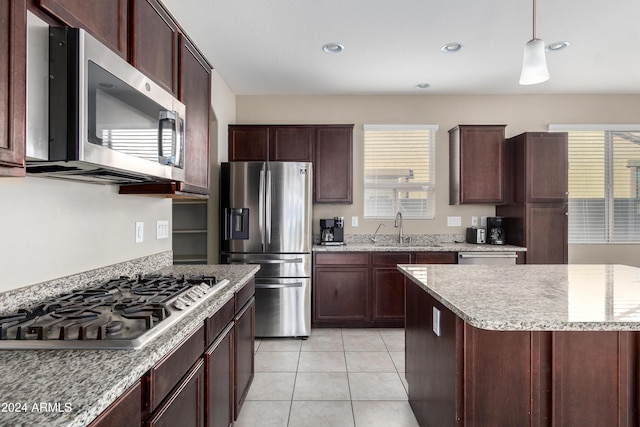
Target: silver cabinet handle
[264, 261]
[279, 285]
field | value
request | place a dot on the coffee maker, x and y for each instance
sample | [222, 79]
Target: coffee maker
[495, 231]
[332, 231]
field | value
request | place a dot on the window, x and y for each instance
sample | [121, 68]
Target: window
[604, 163]
[399, 171]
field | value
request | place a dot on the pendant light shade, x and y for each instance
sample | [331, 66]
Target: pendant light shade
[534, 63]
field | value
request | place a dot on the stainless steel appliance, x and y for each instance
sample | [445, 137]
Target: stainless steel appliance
[266, 220]
[108, 122]
[476, 235]
[495, 231]
[122, 313]
[487, 258]
[332, 231]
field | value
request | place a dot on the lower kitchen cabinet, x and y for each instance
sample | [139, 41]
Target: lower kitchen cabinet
[124, 412]
[185, 405]
[364, 289]
[219, 371]
[244, 338]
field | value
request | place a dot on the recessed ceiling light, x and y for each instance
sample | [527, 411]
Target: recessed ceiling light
[332, 48]
[452, 47]
[554, 47]
[422, 85]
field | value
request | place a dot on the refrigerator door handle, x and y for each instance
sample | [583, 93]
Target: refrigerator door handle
[261, 207]
[279, 285]
[264, 261]
[268, 208]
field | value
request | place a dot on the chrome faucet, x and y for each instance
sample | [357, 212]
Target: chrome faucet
[398, 224]
[374, 239]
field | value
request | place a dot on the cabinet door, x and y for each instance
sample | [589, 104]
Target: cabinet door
[388, 288]
[195, 93]
[244, 336]
[185, 406]
[547, 167]
[248, 143]
[291, 143]
[476, 170]
[155, 43]
[219, 373]
[341, 296]
[124, 412]
[333, 163]
[546, 230]
[13, 50]
[106, 20]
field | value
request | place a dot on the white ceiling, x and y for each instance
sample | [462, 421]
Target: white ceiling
[262, 47]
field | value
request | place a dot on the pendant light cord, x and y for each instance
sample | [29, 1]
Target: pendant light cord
[534, 19]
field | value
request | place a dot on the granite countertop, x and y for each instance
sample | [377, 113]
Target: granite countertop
[536, 297]
[71, 387]
[418, 247]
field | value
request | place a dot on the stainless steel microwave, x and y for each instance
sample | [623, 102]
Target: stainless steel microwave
[108, 122]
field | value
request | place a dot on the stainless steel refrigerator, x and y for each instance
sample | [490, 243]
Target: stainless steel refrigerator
[266, 219]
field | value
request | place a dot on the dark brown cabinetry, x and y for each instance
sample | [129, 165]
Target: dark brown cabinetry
[13, 50]
[195, 93]
[364, 289]
[468, 376]
[329, 147]
[476, 158]
[124, 412]
[155, 43]
[219, 371]
[106, 20]
[536, 202]
[244, 336]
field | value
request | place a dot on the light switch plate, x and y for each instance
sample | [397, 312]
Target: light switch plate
[162, 229]
[474, 221]
[139, 232]
[483, 221]
[354, 221]
[436, 321]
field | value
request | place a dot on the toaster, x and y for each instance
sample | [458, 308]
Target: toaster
[476, 235]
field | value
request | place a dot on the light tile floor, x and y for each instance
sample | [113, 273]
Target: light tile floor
[337, 377]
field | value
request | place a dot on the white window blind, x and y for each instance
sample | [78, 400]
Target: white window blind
[399, 171]
[604, 171]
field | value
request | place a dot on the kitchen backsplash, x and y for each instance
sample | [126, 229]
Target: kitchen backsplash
[389, 239]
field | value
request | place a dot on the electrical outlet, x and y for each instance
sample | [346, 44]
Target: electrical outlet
[474, 221]
[139, 232]
[483, 221]
[354, 221]
[436, 321]
[454, 221]
[162, 229]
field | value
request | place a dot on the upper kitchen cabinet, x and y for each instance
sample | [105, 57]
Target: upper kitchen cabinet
[195, 93]
[333, 164]
[155, 43]
[476, 156]
[538, 167]
[13, 50]
[271, 143]
[329, 147]
[106, 20]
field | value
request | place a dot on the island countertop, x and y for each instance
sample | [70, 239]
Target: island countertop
[536, 297]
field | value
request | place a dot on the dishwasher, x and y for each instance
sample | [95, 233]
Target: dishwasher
[487, 258]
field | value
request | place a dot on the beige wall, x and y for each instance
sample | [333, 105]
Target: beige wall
[520, 112]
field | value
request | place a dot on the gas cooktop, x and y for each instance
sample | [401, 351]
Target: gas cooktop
[121, 313]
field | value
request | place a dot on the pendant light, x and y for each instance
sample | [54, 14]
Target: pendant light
[534, 63]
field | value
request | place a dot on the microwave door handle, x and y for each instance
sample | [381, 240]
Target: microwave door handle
[170, 118]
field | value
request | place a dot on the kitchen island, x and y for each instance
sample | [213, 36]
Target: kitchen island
[72, 387]
[523, 345]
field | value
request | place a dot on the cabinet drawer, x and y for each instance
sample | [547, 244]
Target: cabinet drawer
[390, 259]
[218, 321]
[167, 373]
[126, 411]
[245, 294]
[356, 258]
[436, 258]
